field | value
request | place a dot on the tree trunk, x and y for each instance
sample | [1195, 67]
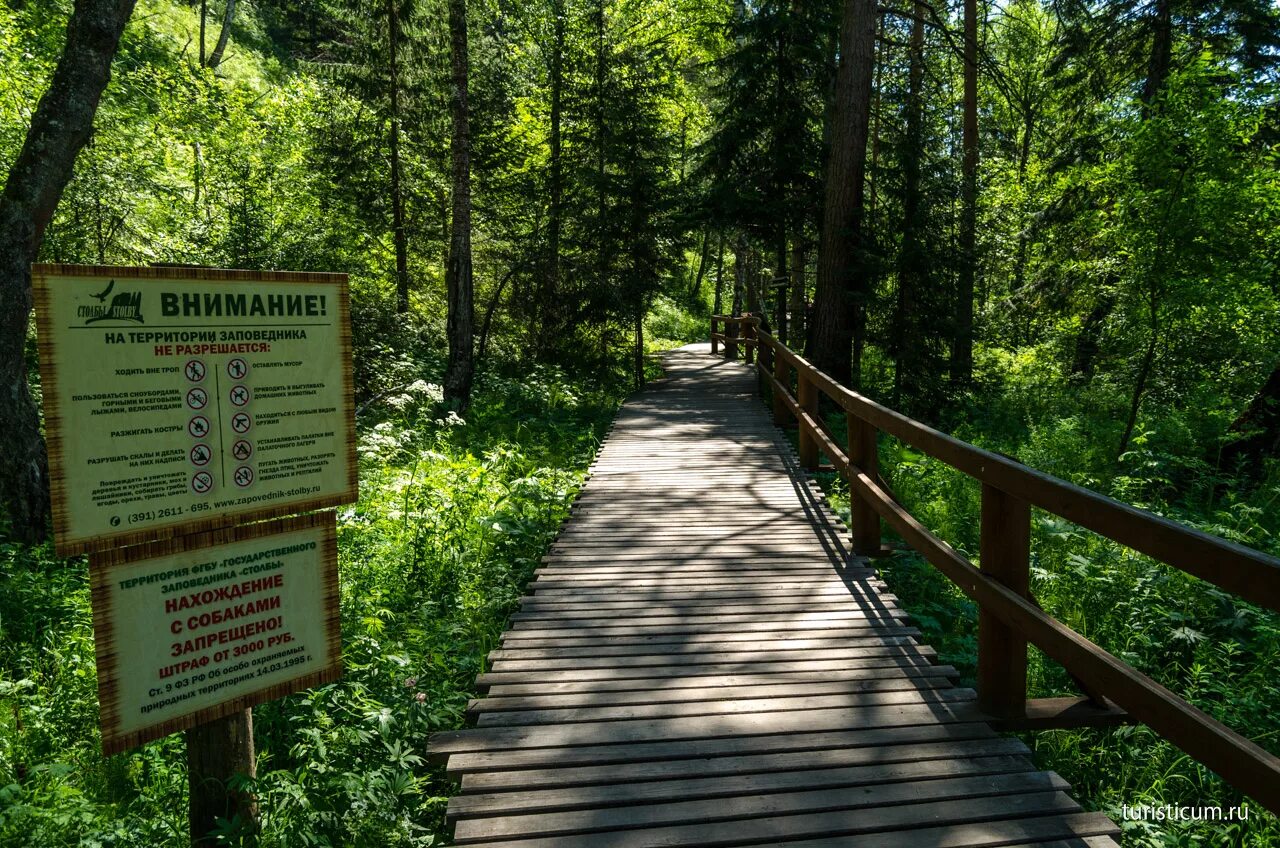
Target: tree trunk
[962, 348]
[696, 290]
[719, 297]
[872, 186]
[778, 285]
[59, 128]
[397, 194]
[1257, 429]
[551, 280]
[1024, 235]
[228, 14]
[1144, 372]
[458, 276]
[1089, 339]
[908, 378]
[204, 14]
[798, 304]
[1161, 58]
[639, 344]
[217, 751]
[488, 316]
[841, 294]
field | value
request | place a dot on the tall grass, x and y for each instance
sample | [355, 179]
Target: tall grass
[453, 517]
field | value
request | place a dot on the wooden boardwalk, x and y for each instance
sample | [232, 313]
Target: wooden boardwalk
[700, 662]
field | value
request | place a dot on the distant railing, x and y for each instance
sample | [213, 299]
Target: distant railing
[1009, 616]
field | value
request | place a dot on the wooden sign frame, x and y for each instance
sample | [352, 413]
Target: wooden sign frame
[58, 431]
[103, 568]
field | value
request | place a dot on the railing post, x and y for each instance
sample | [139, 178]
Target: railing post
[861, 442]
[715, 343]
[731, 337]
[748, 336]
[780, 373]
[1002, 651]
[807, 396]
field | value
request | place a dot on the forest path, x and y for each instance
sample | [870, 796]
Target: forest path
[701, 662]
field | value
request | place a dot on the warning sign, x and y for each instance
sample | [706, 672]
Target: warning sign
[181, 400]
[192, 629]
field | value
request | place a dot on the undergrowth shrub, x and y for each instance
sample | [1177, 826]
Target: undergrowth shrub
[453, 517]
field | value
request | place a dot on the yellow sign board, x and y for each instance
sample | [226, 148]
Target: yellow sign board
[180, 400]
[192, 629]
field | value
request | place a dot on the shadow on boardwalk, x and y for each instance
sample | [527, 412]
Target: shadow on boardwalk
[700, 662]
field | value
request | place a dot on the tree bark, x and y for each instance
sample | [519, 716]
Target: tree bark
[841, 293]
[696, 289]
[912, 272]
[551, 280]
[1144, 371]
[798, 304]
[458, 276]
[962, 348]
[639, 343]
[719, 296]
[1089, 339]
[60, 127]
[216, 752]
[1257, 429]
[397, 192]
[228, 14]
[1161, 58]
[779, 285]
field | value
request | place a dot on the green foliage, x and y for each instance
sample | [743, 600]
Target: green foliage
[454, 516]
[667, 320]
[1207, 645]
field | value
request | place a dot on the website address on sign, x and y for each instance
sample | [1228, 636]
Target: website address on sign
[1146, 812]
[267, 496]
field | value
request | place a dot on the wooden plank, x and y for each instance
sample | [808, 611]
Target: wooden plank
[685, 766]
[779, 584]
[537, 684]
[646, 655]
[628, 794]
[711, 750]
[728, 629]
[565, 610]
[723, 708]
[748, 620]
[1064, 714]
[698, 644]
[674, 673]
[868, 810]
[767, 592]
[1075, 830]
[721, 689]
[700, 727]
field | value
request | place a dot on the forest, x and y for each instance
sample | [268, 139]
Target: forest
[1048, 227]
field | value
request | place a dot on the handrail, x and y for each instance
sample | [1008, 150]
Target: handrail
[1009, 616]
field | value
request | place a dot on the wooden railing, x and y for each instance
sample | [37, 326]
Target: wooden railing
[1009, 616]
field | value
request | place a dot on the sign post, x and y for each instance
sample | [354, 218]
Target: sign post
[184, 408]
